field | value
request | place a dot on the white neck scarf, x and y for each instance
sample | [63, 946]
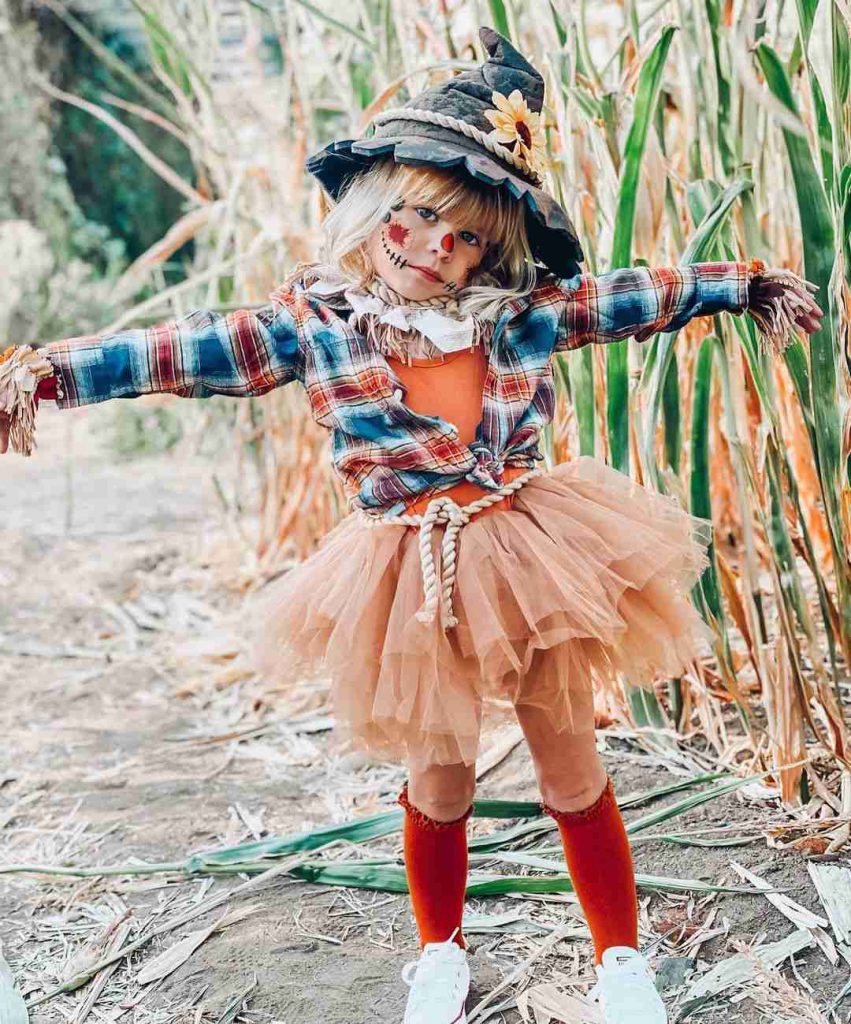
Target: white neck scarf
[402, 327]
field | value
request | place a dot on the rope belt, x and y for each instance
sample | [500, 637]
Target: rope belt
[443, 509]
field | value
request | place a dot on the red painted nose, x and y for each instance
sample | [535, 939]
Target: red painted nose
[447, 243]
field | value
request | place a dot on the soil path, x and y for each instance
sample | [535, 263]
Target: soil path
[125, 742]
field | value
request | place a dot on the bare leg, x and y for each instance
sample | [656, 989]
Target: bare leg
[442, 791]
[568, 768]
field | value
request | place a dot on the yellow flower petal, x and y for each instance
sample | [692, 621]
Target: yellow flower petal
[503, 136]
[501, 102]
[497, 118]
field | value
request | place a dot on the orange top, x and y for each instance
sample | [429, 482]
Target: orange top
[451, 387]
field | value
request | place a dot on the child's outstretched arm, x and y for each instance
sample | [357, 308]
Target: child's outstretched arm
[642, 301]
[244, 353]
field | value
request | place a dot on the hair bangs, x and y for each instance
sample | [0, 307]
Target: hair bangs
[483, 208]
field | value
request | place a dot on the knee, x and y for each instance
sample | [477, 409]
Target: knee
[575, 792]
[443, 792]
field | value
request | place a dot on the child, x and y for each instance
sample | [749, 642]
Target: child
[424, 341]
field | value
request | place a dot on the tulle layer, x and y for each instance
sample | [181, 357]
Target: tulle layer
[586, 577]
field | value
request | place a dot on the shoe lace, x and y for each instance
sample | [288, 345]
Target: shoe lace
[436, 971]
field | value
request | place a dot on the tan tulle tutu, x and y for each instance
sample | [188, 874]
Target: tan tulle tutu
[585, 577]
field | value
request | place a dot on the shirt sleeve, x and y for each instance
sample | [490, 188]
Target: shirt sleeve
[642, 301]
[244, 353]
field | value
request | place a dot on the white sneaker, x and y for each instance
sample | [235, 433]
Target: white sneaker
[440, 981]
[626, 990]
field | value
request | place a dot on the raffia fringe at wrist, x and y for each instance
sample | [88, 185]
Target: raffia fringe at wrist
[775, 299]
[21, 368]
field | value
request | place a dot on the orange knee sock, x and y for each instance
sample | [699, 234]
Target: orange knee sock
[436, 867]
[599, 862]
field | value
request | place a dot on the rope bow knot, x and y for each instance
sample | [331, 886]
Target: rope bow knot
[438, 511]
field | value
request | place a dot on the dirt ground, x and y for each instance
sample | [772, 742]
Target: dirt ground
[126, 744]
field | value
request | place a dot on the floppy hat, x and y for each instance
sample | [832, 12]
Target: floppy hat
[486, 122]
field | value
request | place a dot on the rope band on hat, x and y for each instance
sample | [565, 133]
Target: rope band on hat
[445, 510]
[470, 130]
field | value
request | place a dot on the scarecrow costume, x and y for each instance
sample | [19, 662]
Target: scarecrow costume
[465, 571]
[424, 601]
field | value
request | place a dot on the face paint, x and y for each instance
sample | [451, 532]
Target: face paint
[398, 234]
[406, 250]
[392, 254]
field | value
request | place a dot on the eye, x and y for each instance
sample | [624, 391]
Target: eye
[470, 238]
[426, 213]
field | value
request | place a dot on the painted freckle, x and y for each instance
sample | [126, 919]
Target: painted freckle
[398, 234]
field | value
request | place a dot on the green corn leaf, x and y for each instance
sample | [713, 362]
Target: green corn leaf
[499, 17]
[388, 878]
[682, 806]
[647, 95]
[171, 56]
[819, 257]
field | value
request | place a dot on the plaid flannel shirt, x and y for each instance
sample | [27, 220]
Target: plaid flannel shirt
[386, 454]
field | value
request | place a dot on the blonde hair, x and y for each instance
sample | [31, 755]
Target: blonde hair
[507, 270]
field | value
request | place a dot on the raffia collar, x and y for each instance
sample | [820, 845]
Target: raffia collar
[401, 326]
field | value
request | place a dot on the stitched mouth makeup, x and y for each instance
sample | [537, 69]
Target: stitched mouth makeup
[406, 234]
[391, 254]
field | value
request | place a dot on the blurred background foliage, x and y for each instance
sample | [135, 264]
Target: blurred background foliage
[155, 153]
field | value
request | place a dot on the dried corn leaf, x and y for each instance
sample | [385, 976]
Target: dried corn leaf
[510, 922]
[736, 970]
[833, 885]
[544, 1003]
[800, 916]
[177, 955]
[13, 1009]
[117, 939]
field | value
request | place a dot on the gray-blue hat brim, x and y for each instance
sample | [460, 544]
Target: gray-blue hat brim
[552, 237]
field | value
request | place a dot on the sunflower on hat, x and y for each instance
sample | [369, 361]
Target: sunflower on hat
[518, 127]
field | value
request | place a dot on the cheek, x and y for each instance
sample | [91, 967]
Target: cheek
[468, 262]
[398, 235]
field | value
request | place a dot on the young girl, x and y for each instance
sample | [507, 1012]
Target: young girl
[465, 572]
